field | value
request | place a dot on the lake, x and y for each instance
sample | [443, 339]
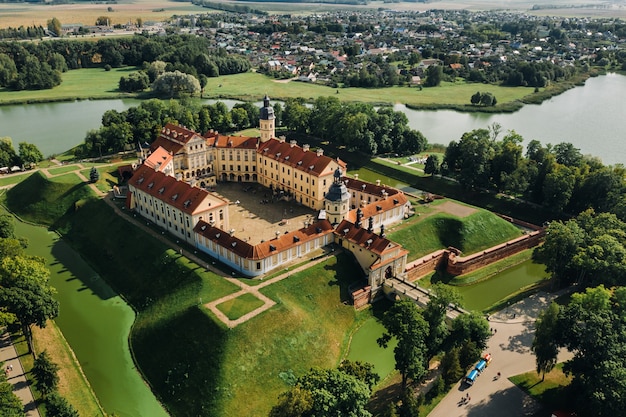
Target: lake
[589, 117]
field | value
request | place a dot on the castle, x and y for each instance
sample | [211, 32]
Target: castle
[169, 189]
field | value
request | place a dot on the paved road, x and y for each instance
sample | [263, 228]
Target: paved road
[8, 355]
[510, 348]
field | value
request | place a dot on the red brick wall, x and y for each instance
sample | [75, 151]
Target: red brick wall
[426, 264]
[462, 265]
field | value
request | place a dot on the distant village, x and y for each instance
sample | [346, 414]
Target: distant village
[316, 47]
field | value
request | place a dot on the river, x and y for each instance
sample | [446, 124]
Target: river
[589, 117]
[96, 323]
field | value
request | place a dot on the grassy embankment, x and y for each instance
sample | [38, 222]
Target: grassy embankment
[193, 363]
[422, 235]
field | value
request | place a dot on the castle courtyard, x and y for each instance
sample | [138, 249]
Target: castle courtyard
[256, 216]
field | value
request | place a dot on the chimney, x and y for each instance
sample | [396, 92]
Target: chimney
[356, 176]
[281, 139]
[305, 147]
[378, 182]
[320, 151]
[292, 143]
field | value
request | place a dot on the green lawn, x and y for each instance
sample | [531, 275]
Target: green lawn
[97, 83]
[62, 170]
[308, 327]
[13, 179]
[85, 83]
[237, 307]
[254, 86]
[551, 393]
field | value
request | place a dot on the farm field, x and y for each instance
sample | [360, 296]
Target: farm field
[16, 14]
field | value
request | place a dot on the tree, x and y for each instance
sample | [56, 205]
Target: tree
[559, 248]
[25, 292]
[10, 404]
[451, 370]
[362, 370]
[102, 21]
[94, 175]
[29, 153]
[57, 406]
[592, 327]
[176, 84]
[544, 345]
[8, 70]
[434, 75]
[432, 165]
[404, 322]
[54, 27]
[475, 99]
[136, 81]
[7, 226]
[441, 297]
[470, 327]
[46, 373]
[410, 405]
[297, 402]
[324, 392]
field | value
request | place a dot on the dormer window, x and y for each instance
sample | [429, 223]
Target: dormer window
[203, 228]
[140, 180]
[311, 167]
[174, 197]
[151, 185]
[233, 244]
[187, 203]
[217, 235]
[161, 190]
[272, 248]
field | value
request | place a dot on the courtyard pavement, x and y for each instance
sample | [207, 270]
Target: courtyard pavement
[510, 349]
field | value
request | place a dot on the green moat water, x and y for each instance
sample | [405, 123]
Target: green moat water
[364, 348]
[486, 293]
[96, 323]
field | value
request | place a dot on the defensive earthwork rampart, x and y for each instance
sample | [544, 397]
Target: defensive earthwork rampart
[450, 261]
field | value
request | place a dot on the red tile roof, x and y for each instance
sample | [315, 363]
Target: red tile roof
[363, 238]
[381, 206]
[236, 142]
[290, 154]
[264, 249]
[158, 158]
[369, 188]
[175, 193]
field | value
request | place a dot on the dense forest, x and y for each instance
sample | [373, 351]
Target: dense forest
[28, 65]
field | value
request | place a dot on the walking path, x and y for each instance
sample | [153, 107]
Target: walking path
[16, 376]
[510, 348]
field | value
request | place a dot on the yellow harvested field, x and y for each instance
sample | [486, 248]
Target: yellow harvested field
[27, 14]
